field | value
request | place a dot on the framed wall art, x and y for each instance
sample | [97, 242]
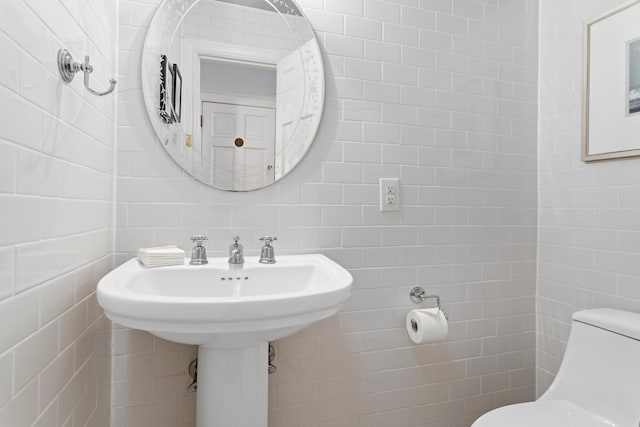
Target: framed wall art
[166, 90]
[177, 93]
[611, 99]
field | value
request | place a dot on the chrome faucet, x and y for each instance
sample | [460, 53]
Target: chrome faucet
[199, 252]
[266, 254]
[236, 252]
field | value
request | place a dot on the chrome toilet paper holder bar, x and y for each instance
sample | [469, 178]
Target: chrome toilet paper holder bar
[418, 295]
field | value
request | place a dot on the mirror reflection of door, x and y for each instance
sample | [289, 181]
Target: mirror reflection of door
[238, 143]
[238, 101]
[289, 99]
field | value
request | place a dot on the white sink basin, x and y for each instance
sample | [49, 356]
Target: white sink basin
[225, 306]
[231, 312]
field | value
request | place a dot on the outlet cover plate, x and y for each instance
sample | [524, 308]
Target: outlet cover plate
[389, 194]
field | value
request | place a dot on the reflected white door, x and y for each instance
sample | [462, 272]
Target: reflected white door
[238, 145]
[289, 100]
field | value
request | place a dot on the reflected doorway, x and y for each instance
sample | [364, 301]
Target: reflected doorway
[238, 145]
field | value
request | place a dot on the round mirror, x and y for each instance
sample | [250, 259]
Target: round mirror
[234, 89]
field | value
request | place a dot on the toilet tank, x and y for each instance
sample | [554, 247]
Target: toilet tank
[600, 370]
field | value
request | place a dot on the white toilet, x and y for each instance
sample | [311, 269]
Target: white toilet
[598, 384]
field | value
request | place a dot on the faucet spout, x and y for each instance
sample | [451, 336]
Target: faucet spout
[236, 252]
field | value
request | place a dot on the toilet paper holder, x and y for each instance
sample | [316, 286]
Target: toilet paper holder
[418, 295]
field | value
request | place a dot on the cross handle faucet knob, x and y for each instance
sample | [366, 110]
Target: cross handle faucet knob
[267, 253]
[199, 252]
[199, 239]
[268, 240]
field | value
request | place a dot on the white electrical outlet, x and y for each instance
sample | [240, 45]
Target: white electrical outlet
[389, 194]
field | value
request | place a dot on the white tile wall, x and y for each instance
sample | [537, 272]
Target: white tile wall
[588, 240]
[56, 154]
[441, 94]
[221, 22]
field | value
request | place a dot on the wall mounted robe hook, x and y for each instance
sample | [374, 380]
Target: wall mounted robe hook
[68, 68]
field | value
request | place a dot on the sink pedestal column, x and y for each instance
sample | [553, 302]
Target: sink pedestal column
[232, 387]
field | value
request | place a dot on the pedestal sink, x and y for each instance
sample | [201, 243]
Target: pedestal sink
[231, 313]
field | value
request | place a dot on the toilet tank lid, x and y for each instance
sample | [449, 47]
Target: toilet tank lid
[618, 321]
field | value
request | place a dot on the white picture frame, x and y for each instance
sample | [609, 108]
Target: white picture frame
[611, 124]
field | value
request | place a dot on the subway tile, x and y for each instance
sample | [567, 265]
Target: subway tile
[33, 354]
[483, 31]
[392, 73]
[417, 96]
[416, 135]
[127, 341]
[449, 62]
[354, 8]
[341, 215]
[6, 379]
[300, 215]
[361, 111]
[326, 22]
[451, 24]
[362, 69]
[352, 47]
[399, 114]
[346, 88]
[7, 272]
[26, 29]
[22, 312]
[22, 410]
[381, 92]
[381, 133]
[27, 136]
[468, 9]
[45, 259]
[316, 412]
[36, 82]
[9, 74]
[132, 392]
[364, 28]
[360, 194]
[342, 172]
[437, 5]
[399, 154]
[154, 215]
[418, 57]
[436, 41]
[317, 193]
[8, 169]
[71, 394]
[297, 393]
[401, 34]
[72, 324]
[420, 18]
[38, 174]
[361, 153]
[381, 11]
[149, 415]
[382, 51]
[434, 79]
[360, 237]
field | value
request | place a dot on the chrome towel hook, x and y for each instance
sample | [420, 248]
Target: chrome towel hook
[68, 67]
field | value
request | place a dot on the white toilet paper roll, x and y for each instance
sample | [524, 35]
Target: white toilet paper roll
[427, 325]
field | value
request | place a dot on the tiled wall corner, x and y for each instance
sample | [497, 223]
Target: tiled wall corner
[56, 155]
[588, 220]
[443, 95]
